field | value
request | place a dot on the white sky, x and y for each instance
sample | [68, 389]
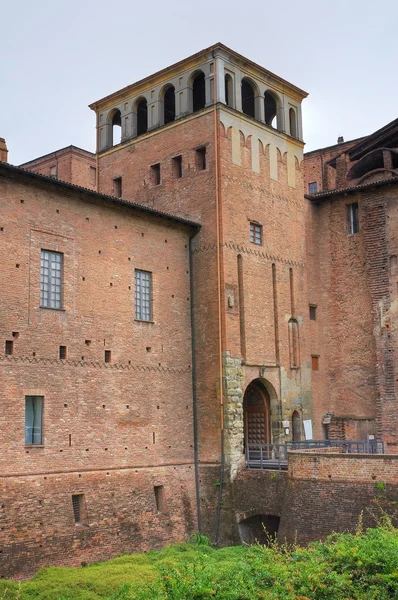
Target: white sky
[57, 57]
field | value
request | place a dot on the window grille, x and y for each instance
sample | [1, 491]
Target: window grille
[79, 509]
[33, 420]
[256, 234]
[312, 308]
[143, 284]
[51, 279]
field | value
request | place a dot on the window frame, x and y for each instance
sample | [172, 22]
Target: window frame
[312, 310]
[353, 218]
[51, 278]
[140, 313]
[313, 183]
[33, 443]
[256, 233]
[314, 362]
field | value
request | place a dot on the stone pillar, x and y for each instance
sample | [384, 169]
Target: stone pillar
[220, 81]
[233, 413]
[280, 119]
[238, 91]
[155, 114]
[299, 123]
[127, 126]
[209, 89]
[259, 108]
[3, 150]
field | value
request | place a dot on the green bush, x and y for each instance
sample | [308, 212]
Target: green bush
[360, 566]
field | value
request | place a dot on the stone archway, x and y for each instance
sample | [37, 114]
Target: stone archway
[257, 414]
[259, 528]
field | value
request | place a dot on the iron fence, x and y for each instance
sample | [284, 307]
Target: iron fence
[274, 456]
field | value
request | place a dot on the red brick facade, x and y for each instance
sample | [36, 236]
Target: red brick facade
[269, 321]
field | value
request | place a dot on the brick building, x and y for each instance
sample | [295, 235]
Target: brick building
[196, 303]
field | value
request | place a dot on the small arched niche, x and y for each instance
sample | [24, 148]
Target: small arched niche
[229, 90]
[198, 91]
[293, 122]
[248, 98]
[115, 118]
[141, 109]
[296, 426]
[169, 105]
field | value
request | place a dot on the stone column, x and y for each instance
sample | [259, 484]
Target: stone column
[238, 90]
[259, 108]
[209, 89]
[220, 81]
[155, 114]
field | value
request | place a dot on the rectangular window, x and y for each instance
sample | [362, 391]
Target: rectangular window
[160, 498]
[33, 420]
[53, 172]
[315, 363]
[79, 509]
[51, 279]
[353, 218]
[117, 187]
[313, 187]
[177, 167]
[256, 233]
[200, 158]
[143, 293]
[155, 174]
[9, 349]
[312, 312]
[108, 356]
[62, 353]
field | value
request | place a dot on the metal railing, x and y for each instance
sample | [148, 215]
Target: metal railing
[274, 456]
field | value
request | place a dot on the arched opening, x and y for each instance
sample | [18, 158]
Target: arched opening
[259, 528]
[198, 92]
[370, 162]
[229, 92]
[270, 110]
[142, 116]
[116, 122]
[169, 105]
[256, 409]
[248, 98]
[296, 426]
[292, 122]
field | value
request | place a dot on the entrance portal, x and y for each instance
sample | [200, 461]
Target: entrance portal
[256, 407]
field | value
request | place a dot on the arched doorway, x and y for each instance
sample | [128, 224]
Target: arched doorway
[256, 409]
[262, 529]
[296, 426]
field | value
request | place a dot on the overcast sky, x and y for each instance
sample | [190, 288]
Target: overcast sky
[57, 57]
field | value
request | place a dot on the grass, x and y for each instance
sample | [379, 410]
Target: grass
[360, 566]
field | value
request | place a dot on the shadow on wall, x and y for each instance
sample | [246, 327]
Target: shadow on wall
[259, 528]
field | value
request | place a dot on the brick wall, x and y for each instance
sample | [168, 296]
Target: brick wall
[71, 164]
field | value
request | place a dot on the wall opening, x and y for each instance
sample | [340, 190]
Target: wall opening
[200, 158]
[257, 414]
[293, 122]
[160, 498]
[142, 117]
[169, 106]
[79, 509]
[259, 528]
[247, 98]
[270, 110]
[198, 92]
[116, 127]
[294, 343]
[229, 92]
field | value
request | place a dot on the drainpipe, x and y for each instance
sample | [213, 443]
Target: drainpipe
[219, 237]
[194, 395]
[96, 157]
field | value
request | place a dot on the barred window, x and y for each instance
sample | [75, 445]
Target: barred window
[51, 279]
[143, 284]
[256, 233]
[33, 420]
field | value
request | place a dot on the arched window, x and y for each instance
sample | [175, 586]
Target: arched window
[142, 116]
[116, 122]
[247, 98]
[292, 122]
[270, 110]
[169, 105]
[198, 92]
[229, 92]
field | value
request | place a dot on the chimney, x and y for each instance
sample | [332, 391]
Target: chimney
[3, 150]
[340, 139]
